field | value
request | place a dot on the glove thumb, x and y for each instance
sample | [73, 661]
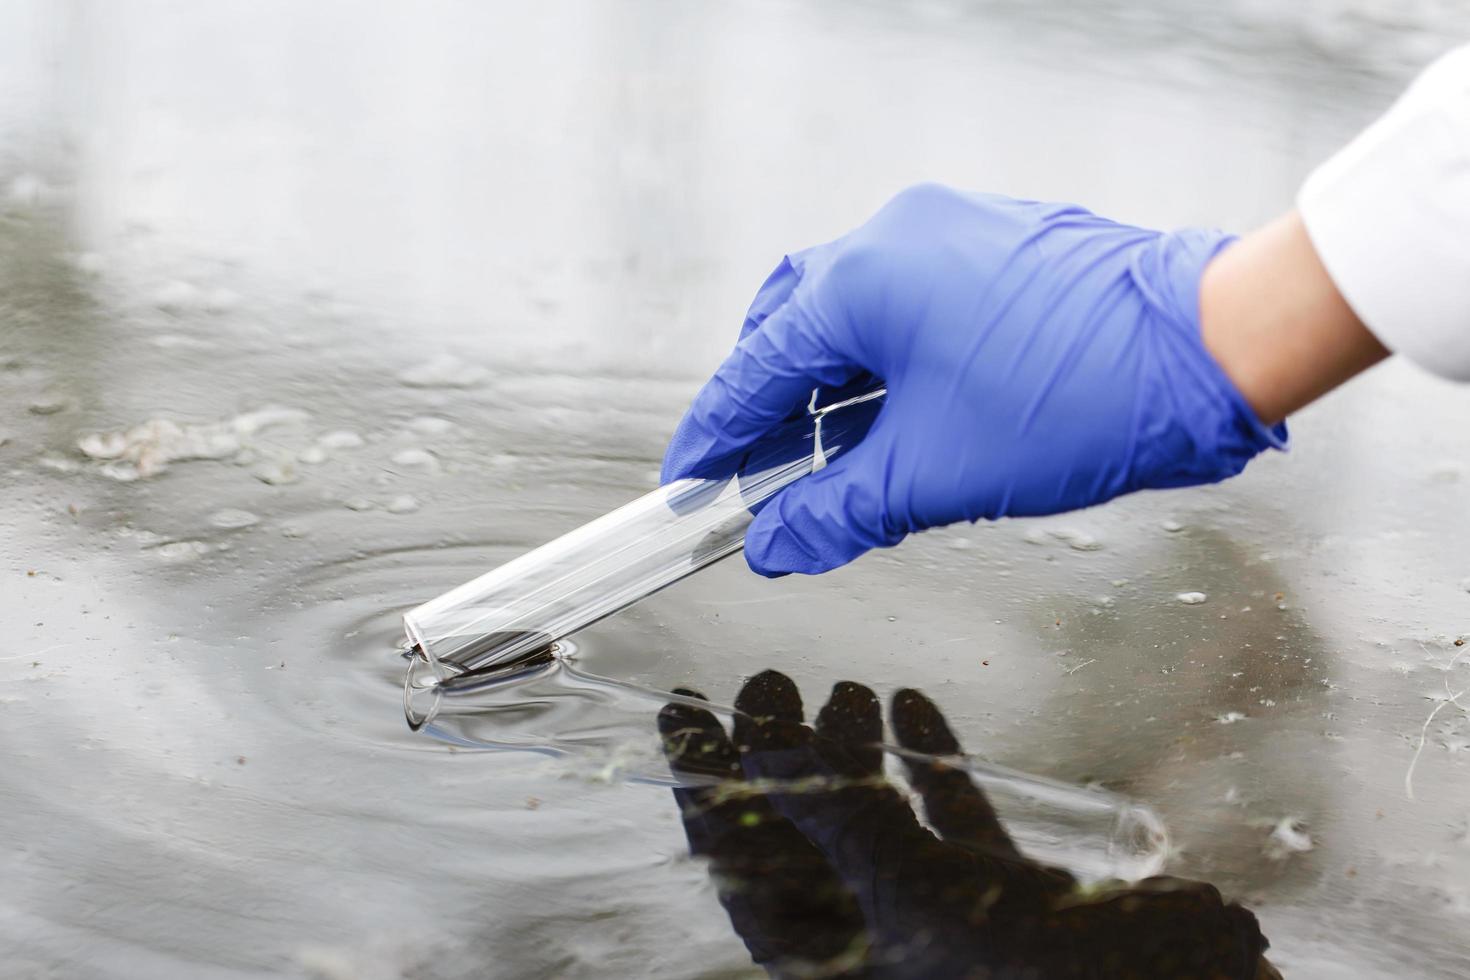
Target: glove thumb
[827, 519]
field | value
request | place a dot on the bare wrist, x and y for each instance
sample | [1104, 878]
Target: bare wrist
[1272, 318]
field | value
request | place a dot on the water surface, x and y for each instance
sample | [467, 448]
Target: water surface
[427, 287]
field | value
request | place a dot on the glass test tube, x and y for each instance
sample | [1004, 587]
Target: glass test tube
[507, 618]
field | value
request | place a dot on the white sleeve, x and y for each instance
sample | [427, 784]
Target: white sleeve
[1389, 215]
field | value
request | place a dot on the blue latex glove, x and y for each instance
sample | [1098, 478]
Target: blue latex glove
[1038, 358]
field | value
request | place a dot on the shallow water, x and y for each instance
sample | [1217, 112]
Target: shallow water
[472, 263]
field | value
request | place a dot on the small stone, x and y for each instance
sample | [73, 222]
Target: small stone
[232, 519]
[403, 504]
[49, 403]
[1077, 540]
[182, 550]
[275, 473]
[420, 459]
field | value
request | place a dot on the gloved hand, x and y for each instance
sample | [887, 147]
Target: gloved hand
[1038, 358]
[825, 870]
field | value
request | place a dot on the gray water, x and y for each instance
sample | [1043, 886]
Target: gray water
[500, 246]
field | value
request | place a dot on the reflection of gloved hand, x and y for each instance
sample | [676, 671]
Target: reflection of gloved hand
[825, 870]
[1038, 359]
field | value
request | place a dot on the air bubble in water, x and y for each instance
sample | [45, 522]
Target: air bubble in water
[1171, 526]
[1191, 598]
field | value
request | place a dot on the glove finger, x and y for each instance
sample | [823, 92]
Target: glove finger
[770, 373]
[827, 519]
[850, 731]
[694, 742]
[768, 714]
[773, 294]
[954, 805]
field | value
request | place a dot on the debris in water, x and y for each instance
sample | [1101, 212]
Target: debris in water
[444, 371]
[1191, 598]
[403, 504]
[231, 518]
[1287, 838]
[151, 446]
[1231, 717]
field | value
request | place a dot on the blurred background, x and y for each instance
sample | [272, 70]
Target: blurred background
[311, 311]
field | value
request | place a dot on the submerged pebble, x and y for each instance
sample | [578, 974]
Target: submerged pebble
[1191, 598]
[403, 504]
[1077, 540]
[231, 518]
[416, 458]
[49, 403]
[275, 472]
[181, 550]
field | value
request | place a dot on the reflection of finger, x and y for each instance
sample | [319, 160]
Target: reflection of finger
[768, 714]
[955, 806]
[694, 741]
[850, 730]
